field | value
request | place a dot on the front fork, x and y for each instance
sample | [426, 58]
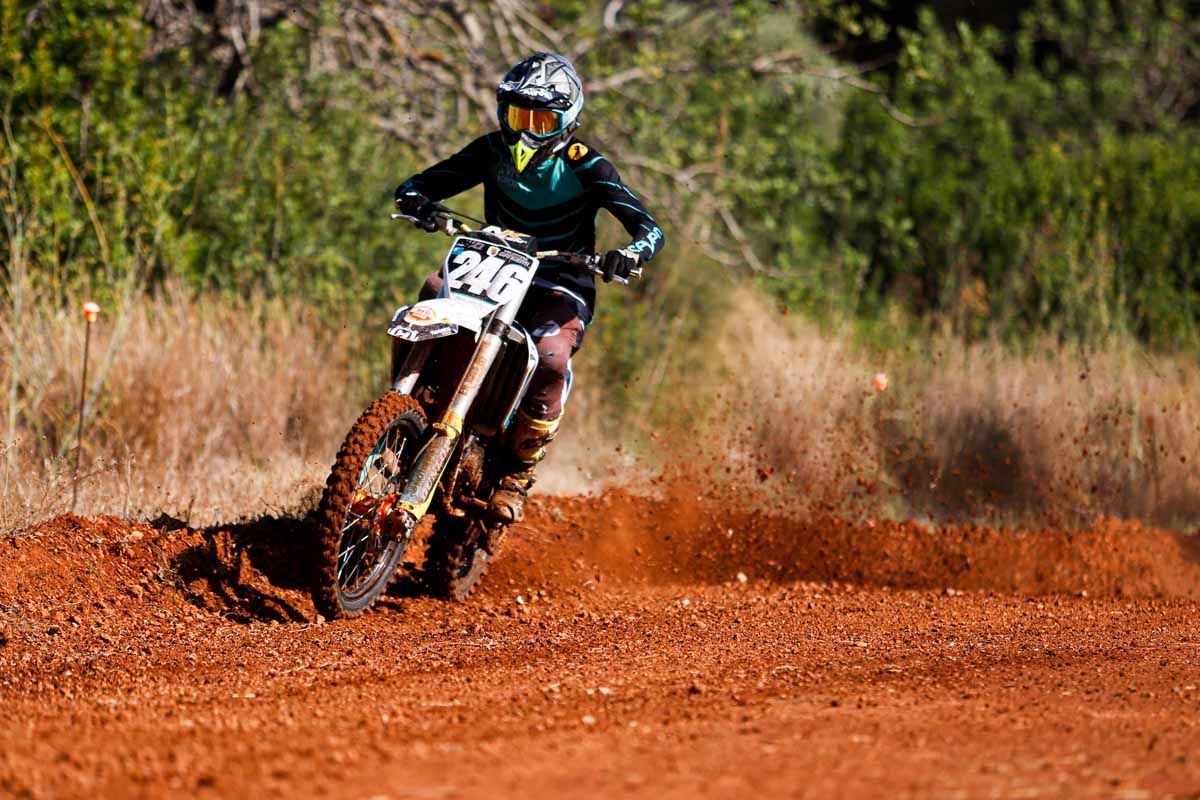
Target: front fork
[406, 373]
[433, 458]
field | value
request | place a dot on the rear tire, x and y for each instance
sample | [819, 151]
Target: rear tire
[455, 557]
[361, 543]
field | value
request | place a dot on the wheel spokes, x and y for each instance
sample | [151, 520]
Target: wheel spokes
[362, 541]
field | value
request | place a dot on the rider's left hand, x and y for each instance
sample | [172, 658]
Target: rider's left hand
[617, 264]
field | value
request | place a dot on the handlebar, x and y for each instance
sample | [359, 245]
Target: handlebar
[446, 221]
[585, 262]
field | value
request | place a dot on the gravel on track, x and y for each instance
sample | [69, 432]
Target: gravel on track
[622, 646]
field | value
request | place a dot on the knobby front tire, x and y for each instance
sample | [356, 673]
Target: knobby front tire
[361, 545]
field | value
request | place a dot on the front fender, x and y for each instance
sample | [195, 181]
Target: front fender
[433, 319]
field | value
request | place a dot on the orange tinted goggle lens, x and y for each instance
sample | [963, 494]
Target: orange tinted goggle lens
[533, 120]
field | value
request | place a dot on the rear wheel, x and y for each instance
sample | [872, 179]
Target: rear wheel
[363, 535]
[456, 558]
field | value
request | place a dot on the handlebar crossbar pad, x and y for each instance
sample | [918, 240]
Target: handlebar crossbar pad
[515, 240]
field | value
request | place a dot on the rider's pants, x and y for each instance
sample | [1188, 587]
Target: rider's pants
[553, 320]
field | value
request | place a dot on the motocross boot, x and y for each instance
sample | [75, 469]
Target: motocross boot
[528, 439]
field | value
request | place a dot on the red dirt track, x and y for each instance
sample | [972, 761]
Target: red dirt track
[621, 646]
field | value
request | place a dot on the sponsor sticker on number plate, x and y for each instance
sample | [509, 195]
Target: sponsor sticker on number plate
[419, 315]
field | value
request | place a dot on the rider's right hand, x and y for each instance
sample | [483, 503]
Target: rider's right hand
[414, 204]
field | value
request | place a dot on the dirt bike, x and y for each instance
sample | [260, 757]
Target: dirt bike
[465, 362]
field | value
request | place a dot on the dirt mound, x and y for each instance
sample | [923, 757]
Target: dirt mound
[683, 537]
[262, 570]
[614, 637]
[83, 566]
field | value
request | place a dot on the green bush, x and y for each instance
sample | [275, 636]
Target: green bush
[1036, 198]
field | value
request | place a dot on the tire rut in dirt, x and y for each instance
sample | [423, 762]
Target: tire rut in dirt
[343, 480]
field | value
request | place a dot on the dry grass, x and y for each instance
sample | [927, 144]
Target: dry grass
[213, 411]
[198, 408]
[967, 432]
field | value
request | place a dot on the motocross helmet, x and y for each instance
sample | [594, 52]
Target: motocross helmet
[538, 103]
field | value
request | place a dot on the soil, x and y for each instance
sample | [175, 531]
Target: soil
[621, 646]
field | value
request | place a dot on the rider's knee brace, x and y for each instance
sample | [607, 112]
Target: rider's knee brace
[529, 436]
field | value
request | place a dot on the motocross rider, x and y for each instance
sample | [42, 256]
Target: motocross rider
[540, 179]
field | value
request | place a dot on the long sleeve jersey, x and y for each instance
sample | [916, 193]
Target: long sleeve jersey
[557, 201]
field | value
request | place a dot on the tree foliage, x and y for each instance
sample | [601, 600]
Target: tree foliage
[1040, 178]
[1056, 188]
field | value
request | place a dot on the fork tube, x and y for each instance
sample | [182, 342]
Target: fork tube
[410, 370]
[432, 461]
[481, 363]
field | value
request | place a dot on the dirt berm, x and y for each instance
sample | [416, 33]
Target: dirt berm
[622, 646]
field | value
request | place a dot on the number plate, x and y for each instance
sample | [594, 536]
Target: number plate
[488, 271]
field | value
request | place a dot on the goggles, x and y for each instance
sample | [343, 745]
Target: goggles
[539, 122]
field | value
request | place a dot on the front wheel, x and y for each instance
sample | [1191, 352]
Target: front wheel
[363, 537]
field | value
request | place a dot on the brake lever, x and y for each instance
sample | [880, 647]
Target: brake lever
[443, 223]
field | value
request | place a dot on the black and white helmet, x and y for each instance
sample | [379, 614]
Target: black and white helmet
[538, 104]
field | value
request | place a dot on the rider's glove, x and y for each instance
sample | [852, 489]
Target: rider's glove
[617, 264]
[414, 204]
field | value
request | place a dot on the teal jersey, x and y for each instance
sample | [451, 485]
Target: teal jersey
[557, 201]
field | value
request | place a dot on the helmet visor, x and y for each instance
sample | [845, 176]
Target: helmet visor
[539, 122]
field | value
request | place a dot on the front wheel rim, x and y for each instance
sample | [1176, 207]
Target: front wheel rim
[371, 528]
